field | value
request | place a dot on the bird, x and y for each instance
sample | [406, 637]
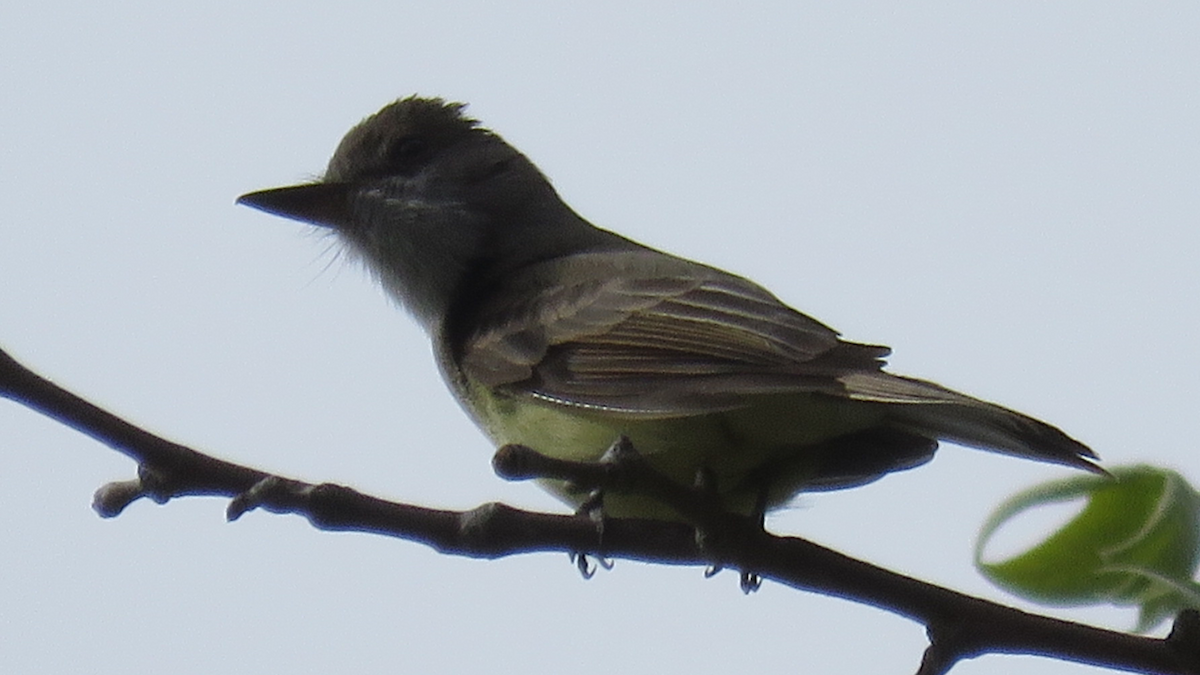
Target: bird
[561, 336]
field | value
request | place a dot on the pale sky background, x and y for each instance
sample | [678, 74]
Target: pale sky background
[1005, 194]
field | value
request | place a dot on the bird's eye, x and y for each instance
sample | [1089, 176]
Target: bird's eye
[406, 149]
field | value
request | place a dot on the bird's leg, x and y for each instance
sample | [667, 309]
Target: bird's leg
[751, 581]
[759, 514]
[614, 459]
[717, 527]
[704, 486]
[592, 508]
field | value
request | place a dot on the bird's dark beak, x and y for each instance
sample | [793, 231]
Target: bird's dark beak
[326, 204]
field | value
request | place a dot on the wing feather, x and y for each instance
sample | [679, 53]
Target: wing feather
[645, 333]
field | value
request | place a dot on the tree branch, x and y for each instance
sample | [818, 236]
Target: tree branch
[959, 626]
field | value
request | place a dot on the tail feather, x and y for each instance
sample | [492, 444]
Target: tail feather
[948, 415]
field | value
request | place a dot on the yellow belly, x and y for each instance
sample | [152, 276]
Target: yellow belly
[775, 437]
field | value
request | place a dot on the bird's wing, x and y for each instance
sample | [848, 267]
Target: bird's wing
[646, 334]
[643, 334]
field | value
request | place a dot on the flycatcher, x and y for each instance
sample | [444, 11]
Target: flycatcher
[561, 336]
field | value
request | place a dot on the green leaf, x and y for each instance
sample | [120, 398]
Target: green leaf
[1136, 542]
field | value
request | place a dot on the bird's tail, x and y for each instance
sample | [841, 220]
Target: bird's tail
[932, 410]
